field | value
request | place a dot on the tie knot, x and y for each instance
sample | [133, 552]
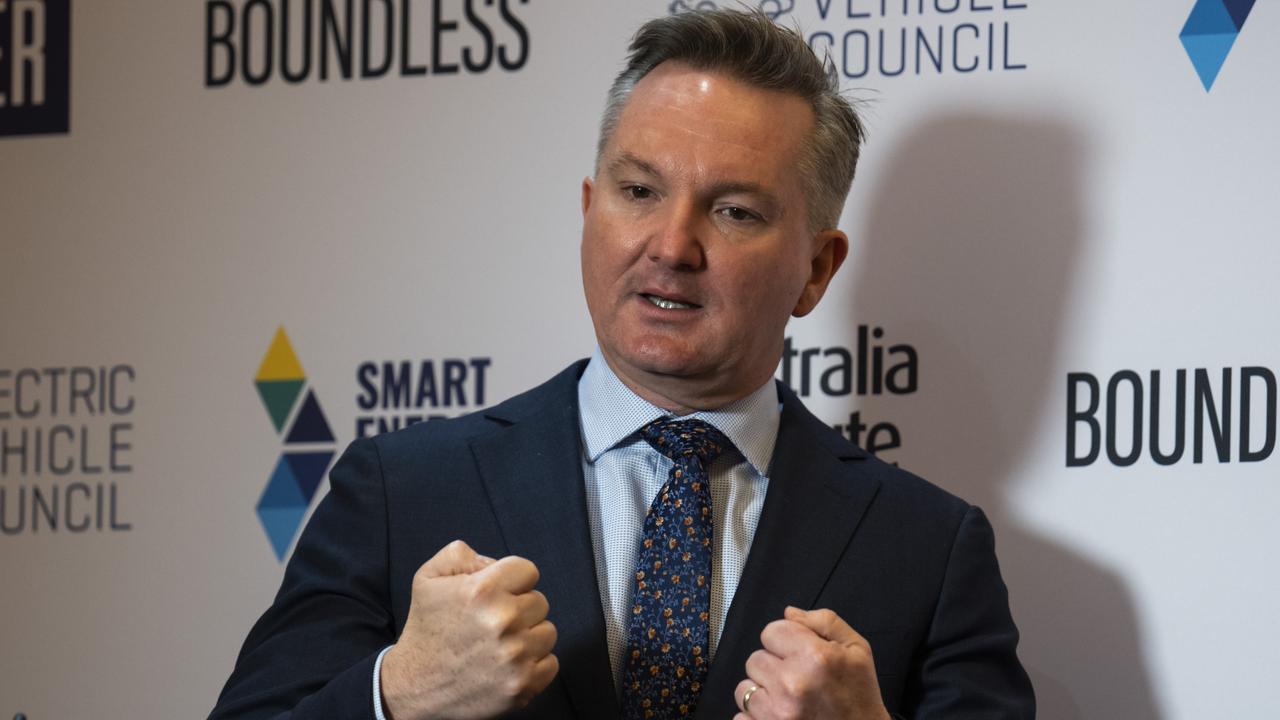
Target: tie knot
[679, 439]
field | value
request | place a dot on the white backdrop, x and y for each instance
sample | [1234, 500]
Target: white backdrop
[1077, 203]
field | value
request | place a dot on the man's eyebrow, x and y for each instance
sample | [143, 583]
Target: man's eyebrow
[627, 161]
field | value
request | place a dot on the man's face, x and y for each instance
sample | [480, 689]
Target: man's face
[695, 244]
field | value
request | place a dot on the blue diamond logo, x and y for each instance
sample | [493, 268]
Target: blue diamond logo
[282, 507]
[1209, 34]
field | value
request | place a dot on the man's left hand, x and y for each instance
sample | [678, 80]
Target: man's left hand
[812, 666]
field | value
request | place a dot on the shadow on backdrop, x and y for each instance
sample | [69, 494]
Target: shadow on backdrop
[969, 250]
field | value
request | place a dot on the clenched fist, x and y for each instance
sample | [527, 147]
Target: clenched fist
[477, 642]
[812, 666]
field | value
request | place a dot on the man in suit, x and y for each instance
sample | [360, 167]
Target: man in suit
[678, 536]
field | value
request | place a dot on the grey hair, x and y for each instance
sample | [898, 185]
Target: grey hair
[749, 47]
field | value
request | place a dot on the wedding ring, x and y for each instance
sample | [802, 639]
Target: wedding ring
[746, 698]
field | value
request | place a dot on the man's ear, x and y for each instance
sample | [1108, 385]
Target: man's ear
[587, 187]
[832, 247]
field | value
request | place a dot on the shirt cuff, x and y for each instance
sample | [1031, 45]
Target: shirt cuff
[377, 684]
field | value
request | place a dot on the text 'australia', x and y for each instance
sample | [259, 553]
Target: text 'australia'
[871, 367]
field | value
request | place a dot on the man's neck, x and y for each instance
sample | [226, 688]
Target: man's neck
[679, 396]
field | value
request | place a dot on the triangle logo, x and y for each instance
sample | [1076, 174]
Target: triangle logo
[280, 362]
[310, 426]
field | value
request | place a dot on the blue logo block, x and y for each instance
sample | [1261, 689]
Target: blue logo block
[282, 507]
[298, 472]
[1210, 32]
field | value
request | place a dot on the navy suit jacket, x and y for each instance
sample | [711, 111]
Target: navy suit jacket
[910, 567]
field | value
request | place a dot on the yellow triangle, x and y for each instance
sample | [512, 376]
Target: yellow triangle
[280, 362]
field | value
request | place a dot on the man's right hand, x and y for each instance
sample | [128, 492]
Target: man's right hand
[477, 642]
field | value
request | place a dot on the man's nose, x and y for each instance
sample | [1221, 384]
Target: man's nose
[677, 244]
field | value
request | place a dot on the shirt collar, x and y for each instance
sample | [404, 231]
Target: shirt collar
[611, 413]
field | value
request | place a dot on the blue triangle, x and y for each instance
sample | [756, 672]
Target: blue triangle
[281, 524]
[1208, 17]
[1239, 11]
[308, 470]
[310, 425]
[1207, 53]
[282, 489]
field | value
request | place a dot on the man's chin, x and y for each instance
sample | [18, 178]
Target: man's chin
[659, 365]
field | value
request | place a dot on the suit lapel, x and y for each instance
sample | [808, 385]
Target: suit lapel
[814, 502]
[532, 470]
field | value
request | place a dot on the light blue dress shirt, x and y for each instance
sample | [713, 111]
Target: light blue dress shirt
[623, 474]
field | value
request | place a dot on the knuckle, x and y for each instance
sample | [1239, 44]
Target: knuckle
[513, 686]
[865, 644]
[774, 630]
[520, 683]
[860, 643]
[826, 616]
[423, 572]
[498, 620]
[861, 658]
[420, 581]
[510, 652]
[792, 686]
[481, 587]
[804, 688]
[529, 567]
[825, 658]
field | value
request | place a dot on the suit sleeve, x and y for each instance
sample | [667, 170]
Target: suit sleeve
[970, 669]
[312, 654]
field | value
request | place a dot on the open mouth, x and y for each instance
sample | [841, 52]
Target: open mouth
[667, 304]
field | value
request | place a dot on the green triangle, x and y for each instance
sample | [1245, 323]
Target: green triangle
[278, 397]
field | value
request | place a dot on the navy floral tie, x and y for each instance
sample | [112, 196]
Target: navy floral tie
[667, 642]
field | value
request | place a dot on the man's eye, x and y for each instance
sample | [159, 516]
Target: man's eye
[637, 192]
[737, 214]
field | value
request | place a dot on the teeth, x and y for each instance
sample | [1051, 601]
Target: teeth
[666, 304]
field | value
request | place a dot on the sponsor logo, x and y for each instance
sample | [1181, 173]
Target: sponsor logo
[35, 67]
[395, 394]
[66, 442]
[295, 414]
[874, 38]
[298, 41]
[1232, 415]
[941, 37]
[389, 395]
[1209, 34]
